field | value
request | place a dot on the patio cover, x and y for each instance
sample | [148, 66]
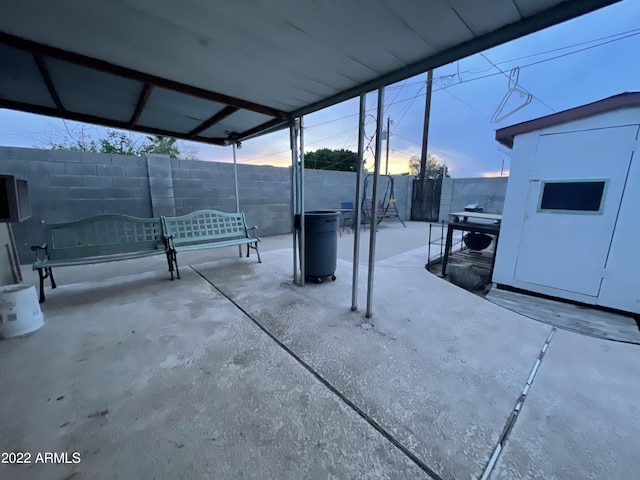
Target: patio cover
[213, 71]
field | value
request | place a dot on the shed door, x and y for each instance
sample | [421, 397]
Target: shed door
[574, 197]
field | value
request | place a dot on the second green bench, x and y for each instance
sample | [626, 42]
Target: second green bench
[207, 229]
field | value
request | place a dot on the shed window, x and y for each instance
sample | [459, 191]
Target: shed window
[573, 196]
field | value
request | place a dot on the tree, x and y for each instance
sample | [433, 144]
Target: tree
[327, 159]
[162, 145]
[435, 169]
[118, 142]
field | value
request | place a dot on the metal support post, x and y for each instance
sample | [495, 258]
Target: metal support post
[374, 200]
[356, 204]
[294, 195]
[235, 177]
[303, 274]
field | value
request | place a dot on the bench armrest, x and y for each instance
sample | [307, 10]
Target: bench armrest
[253, 229]
[38, 249]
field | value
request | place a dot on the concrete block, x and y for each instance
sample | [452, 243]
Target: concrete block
[80, 169]
[128, 161]
[181, 173]
[67, 206]
[46, 168]
[98, 182]
[188, 193]
[162, 192]
[136, 171]
[84, 193]
[194, 202]
[463, 275]
[113, 192]
[27, 154]
[162, 202]
[125, 205]
[163, 182]
[175, 163]
[15, 167]
[102, 205]
[166, 211]
[96, 158]
[192, 183]
[138, 193]
[65, 180]
[111, 171]
[213, 183]
[201, 174]
[63, 156]
[159, 165]
[130, 182]
[54, 193]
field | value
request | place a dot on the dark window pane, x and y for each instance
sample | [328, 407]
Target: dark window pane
[578, 196]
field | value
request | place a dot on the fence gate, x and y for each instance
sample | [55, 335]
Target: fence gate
[425, 201]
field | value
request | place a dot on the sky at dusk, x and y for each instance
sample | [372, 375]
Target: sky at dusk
[577, 62]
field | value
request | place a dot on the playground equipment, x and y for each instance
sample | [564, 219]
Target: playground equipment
[386, 208]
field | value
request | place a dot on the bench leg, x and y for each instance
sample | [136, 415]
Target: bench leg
[51, 279]
[170, 263]
[257, 252]
[175, 262]
[41, 277]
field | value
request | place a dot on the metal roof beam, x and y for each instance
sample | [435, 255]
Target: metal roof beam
[48, 82]
[86, 118]
[101, 65]
[547, 18]
[142, 101]
[218, 117]
[265, 128]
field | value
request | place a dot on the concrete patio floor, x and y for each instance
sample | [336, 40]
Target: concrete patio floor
[233, 372]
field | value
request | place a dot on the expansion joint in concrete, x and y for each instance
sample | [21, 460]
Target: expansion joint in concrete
[517, 408]
[381, 430]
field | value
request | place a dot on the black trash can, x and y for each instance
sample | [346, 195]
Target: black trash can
[321, 243]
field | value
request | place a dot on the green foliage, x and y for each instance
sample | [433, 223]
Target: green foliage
[120, 143]
[162, 145]
[327, 159]
[435, 169]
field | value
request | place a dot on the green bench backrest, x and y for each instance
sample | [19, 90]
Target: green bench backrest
[205, 225]
[102, 235]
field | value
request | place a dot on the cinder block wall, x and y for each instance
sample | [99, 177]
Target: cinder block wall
[460, 192]
[71, 185]
[264, 192]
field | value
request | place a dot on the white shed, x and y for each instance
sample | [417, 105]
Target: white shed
[571, 220]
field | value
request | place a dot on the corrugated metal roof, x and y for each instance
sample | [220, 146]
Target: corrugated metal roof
[205, 71]
[624, 100]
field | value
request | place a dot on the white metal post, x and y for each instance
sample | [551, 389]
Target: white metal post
[235, 177]
[374, 200]
[294, 194]
[356, 204]
[303, 275]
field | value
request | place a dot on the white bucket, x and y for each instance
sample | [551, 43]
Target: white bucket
[20, 312]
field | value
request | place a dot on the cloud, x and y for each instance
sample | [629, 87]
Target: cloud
[495, 174]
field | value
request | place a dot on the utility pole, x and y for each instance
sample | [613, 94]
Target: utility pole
[388, 135]
[425, 134]
[418, 200]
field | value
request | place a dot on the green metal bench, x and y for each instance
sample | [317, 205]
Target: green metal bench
[98, 239]
[207, 229]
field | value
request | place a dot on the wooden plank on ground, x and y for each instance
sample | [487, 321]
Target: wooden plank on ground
[577, 318]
